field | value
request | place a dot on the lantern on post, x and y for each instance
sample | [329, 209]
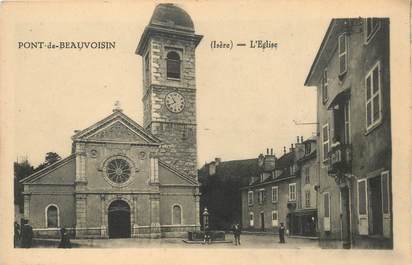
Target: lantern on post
[205, 215]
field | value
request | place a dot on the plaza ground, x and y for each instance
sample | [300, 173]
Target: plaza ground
[247, 241]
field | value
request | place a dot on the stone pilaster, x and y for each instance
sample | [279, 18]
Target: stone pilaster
[154, 202]
[81, 213]
[134, 221]
[27, 206]
[197, 209]
[80, 163]
[103, 226]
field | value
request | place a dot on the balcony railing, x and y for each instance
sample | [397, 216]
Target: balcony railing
[340, 157]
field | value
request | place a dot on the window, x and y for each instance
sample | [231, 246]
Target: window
[325, 86]
[326, 211]
[292, 169]
[251, 219]
[325, 141]
[274, 218]
[307, 148]
[261, 196]
[307, 198]
[292, 192]
[307, 176]
[52, 216]
[346, 114]
[261, 177]
[343, 53]
[173, 65]
[118, 170]
[373, 97]
[371, 27]
[250, 197]
[274, 194]
[177, 215]
[278, 173]
[385, 192]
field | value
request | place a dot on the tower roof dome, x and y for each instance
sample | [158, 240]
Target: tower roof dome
[172, 17]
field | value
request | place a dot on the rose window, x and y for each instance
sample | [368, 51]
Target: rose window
[118, 170]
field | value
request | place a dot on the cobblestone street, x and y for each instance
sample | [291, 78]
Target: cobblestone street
[247, 241]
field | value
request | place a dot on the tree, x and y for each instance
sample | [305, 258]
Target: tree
[51, 158]
[21, 171]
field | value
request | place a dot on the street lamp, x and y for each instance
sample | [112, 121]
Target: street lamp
[205, 215]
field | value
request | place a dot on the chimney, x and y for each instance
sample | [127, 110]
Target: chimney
[271, 151]
[291, 148]
[76, 131]
[212, 168]
[284, 149]
[218, 160]
[301, 139]
[297, 139]
[267, 151]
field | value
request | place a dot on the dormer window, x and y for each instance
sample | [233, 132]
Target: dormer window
[292, 170]
[307, 148]
[173, 65]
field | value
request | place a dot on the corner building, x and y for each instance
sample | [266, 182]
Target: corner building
[122, 179]
[352, 76]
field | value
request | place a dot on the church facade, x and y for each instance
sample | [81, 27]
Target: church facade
[127, 180]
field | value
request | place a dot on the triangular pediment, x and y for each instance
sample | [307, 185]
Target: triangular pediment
[117, 131]
[117, 128]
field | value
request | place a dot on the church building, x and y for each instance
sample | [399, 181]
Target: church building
[127, 180]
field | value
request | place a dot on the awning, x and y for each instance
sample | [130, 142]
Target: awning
[339, 98]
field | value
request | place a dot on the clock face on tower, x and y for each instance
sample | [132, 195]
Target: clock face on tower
[175, 102]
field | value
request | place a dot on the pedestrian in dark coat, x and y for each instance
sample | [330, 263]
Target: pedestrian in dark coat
[17, 234]
[236, 233]
[27, 235]
[65, 239]
[281, 233]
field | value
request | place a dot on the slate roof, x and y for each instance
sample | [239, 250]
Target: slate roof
[235, 169]
[283, 163]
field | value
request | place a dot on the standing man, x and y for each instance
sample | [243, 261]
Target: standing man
[17, 234]
[65, 239]
[27, 234]
[282, 233]
[236, 232]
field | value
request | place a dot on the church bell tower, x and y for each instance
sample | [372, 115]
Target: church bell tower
[167, 47]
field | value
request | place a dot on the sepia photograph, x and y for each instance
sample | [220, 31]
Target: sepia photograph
[204, 125]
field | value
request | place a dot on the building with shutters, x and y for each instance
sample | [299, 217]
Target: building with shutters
[352, 77]
[127, 180]
[283, 191]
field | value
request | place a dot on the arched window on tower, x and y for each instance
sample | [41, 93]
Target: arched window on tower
[177, 215]
[52, 216]
[173, 65]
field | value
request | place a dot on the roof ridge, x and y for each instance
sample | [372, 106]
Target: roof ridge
[47, 168]
[179, 172]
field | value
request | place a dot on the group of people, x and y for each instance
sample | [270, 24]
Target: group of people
[23, 235]
[237, 231]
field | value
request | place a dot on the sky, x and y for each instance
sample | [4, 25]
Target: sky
[247, 99]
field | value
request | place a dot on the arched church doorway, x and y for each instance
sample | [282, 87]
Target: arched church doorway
[119, 219]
